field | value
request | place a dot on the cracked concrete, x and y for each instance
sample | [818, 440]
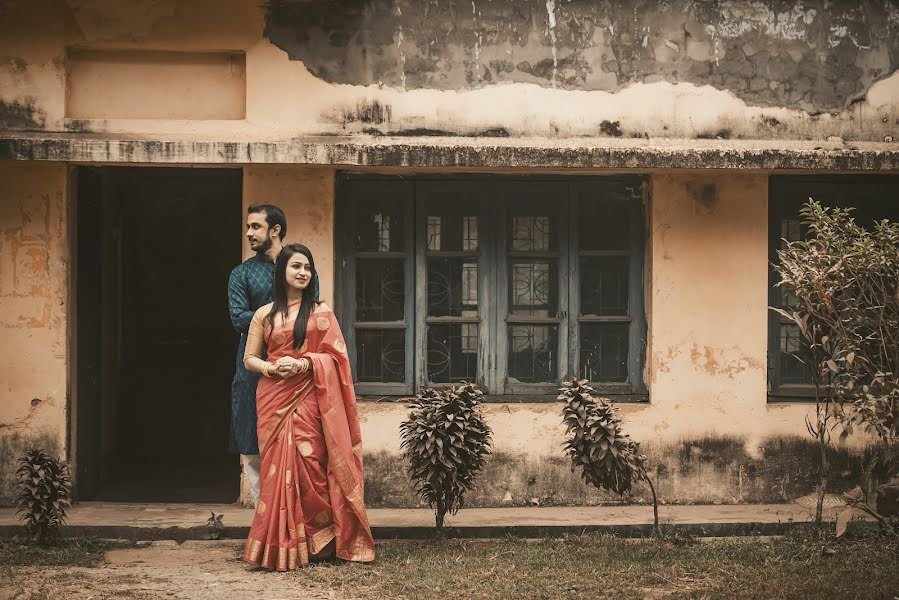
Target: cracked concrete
[815, 56]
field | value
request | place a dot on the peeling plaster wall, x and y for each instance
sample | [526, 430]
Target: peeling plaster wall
[778, 69]
[813, 55]
[33, 308]
[707, 298]
[774, 69]
[706, 362]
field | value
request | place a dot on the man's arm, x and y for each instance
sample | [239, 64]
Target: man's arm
[239, 301]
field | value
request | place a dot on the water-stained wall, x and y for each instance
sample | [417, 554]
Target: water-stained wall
[818, 55]
[775, 69]
[565, 72]
[33, 306]
[708, 428]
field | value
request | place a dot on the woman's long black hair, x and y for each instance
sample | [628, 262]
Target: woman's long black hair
[279, 293]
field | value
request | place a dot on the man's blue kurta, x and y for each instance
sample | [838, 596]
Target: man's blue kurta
[249, 287]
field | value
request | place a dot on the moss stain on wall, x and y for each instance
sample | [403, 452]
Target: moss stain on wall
[708, 470]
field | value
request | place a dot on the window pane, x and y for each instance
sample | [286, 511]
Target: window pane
[534, 288]
[434, 231]
[381, 355]
[788, 299]
[604, 225]
[791, 230]
[603, 355]
[470, 233]
[533, 233]
[380, 289]
[532, 353]
[604, 286]
[452, 352]
[452, 232]
[791, 368]
[380, 226]
[452, 287]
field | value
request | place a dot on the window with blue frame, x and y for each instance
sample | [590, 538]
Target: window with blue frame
[515, 284]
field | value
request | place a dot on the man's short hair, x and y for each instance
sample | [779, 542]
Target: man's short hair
[273, 216]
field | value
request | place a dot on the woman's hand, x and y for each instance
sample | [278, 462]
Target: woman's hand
[285, 367]
[269, 370]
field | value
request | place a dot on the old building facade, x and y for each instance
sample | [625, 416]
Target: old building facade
[514, 192]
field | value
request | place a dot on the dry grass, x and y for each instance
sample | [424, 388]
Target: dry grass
[802, 565]
[70, 552]
[807, 564]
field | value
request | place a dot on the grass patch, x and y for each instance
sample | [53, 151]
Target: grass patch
[69, 552]
[804, 564]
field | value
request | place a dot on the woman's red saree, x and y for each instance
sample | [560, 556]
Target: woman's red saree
[311, 486]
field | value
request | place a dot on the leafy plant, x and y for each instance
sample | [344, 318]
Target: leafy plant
[445, 442]
[45, 492]
[843, 279]
[215, 526]
[599, 451]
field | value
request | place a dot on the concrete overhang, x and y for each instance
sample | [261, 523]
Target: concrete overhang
[457, 152]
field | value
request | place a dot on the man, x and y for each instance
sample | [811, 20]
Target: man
[249, 287]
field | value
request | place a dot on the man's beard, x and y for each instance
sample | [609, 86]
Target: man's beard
[264, 246]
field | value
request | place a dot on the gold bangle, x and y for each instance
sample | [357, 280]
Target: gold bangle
[265, 372]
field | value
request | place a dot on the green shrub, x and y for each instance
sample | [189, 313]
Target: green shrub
[599, 451]
[445, 442]
[44, 493]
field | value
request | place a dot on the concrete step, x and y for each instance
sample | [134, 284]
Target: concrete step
[187, 521]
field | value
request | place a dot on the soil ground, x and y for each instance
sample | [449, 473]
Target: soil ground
[804, 564]
[198, 570]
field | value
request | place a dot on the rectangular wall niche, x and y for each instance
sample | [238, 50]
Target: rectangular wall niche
[113, 84]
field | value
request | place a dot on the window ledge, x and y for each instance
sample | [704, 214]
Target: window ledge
[511, 399]
[790, 399]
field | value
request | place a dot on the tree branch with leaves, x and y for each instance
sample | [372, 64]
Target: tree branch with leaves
[844, 280]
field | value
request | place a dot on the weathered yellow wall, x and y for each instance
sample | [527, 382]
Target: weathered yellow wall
[306, 195]
[34, 258]
[707, 297]
[706, 286]
[718, 85]
[161, 85]
[708, 426]
[707, 283]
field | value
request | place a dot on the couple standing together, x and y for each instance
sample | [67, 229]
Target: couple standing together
[293, 408]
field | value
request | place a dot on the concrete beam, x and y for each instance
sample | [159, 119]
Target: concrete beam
[440, 152]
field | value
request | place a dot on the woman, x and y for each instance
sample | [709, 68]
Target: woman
[311, 488]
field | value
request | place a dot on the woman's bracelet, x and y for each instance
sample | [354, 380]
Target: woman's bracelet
[265, 367]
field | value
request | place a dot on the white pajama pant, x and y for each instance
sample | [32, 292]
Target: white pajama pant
[251, 465]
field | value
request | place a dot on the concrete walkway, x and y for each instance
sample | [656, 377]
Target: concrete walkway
[187, 521]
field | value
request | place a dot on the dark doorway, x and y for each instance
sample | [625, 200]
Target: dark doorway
[155, 347]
